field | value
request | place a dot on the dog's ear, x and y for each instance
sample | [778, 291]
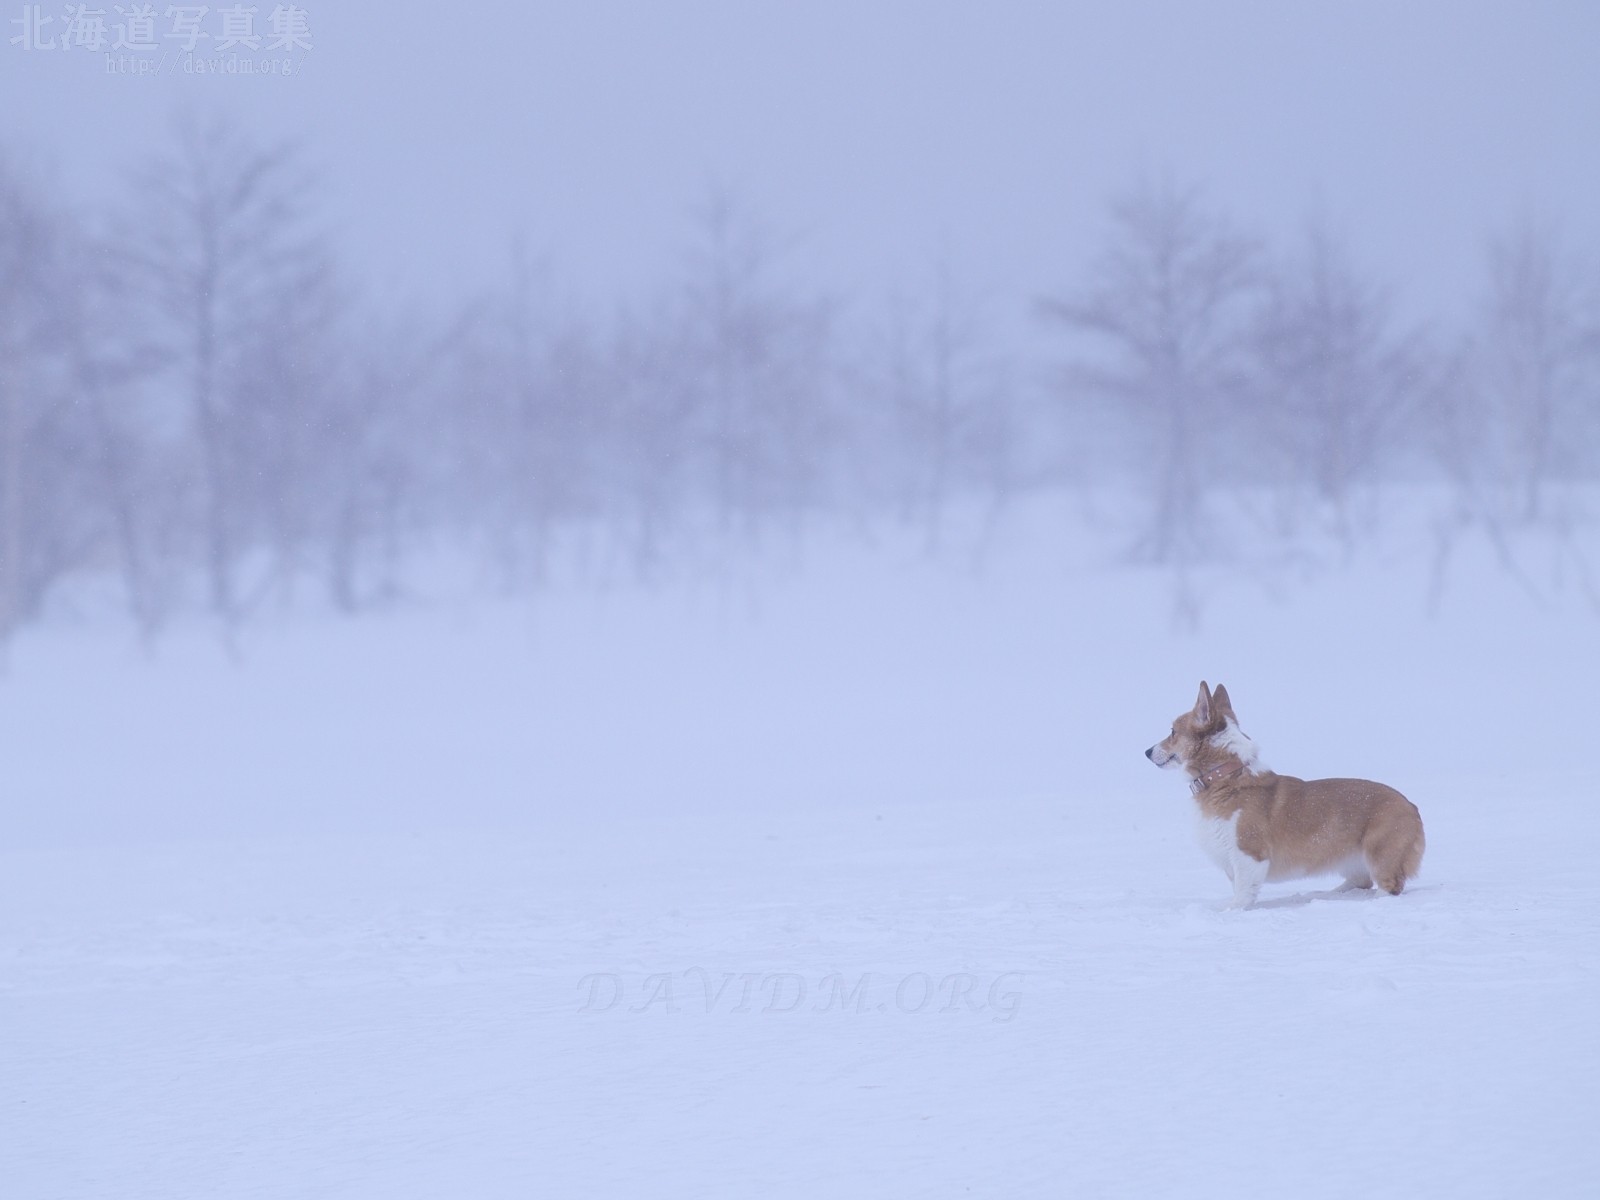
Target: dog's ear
[1202, 706]
[1220, 701]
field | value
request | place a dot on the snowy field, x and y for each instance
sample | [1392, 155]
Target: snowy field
[847, 878]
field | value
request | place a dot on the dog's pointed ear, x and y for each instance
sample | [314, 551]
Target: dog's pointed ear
[1220, 701]
[1202, 706]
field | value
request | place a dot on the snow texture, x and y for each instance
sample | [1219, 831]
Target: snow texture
[857, 886]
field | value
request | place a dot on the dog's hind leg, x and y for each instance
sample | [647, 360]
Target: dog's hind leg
[1356, 879]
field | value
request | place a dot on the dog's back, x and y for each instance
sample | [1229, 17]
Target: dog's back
[1365, 831]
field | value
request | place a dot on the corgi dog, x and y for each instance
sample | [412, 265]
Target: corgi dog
[1258, 826]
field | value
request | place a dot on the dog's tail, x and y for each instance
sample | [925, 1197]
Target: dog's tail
[1412, 863]
[1394, 845]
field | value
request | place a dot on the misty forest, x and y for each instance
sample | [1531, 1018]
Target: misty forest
[714, 599]
[203, 409]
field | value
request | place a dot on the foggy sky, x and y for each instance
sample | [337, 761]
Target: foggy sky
[884, 135]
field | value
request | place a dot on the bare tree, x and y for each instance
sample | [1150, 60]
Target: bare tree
[649, 435]
[25, 250]
[1166, 307]
[47, 444]
[527, 416]
[221, 243]
[949, 427]
[759, 363]
[134, 480]
[1515, 411]
[387, 423]
[1534, 366]
[1337, 385]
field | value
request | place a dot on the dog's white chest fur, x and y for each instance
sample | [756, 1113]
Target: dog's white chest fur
[1219, 838]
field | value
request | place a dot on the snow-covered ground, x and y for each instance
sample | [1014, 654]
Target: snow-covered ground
[851, 880]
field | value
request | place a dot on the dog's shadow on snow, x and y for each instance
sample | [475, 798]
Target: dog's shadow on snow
[1340, 895]
[1301, 899]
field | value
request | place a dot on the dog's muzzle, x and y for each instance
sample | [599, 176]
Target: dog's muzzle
[1160, 757]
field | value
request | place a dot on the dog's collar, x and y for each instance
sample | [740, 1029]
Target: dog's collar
[1222, 771]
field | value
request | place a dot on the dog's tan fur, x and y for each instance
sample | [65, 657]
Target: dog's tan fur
[1365, 831]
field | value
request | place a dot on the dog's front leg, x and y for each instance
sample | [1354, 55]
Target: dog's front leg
[1248, 874]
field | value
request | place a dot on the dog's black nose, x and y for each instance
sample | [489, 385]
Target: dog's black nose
[1151, 754]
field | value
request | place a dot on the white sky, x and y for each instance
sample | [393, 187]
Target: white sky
[885, 133]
